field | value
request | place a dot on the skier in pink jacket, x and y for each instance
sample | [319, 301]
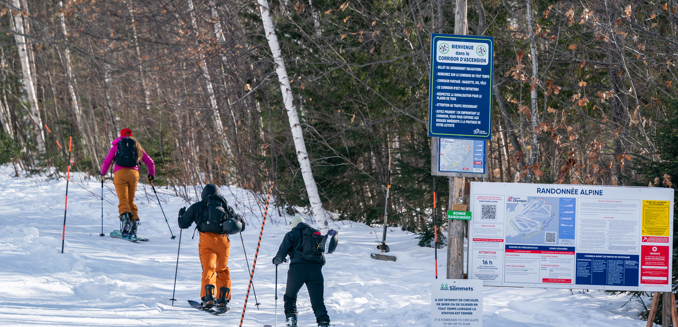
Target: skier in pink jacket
[127, 152]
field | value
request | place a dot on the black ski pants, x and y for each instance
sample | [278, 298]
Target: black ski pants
[310, 274]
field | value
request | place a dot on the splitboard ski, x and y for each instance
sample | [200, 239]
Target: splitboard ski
[116, 234]
[213, 310]
[382, 257]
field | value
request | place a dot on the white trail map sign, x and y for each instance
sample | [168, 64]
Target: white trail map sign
[571, 236]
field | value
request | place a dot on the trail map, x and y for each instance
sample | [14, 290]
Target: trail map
[462, 156]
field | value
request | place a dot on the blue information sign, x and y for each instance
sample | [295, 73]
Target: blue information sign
[460, 90]
[607, 269]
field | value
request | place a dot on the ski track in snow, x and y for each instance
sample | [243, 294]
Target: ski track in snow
[100, 281]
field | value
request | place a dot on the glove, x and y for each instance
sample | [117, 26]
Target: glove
[277, 261]
[243, 223]
[151, 178]
[182, 211]
[101, 178]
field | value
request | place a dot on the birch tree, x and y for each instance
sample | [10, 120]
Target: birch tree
[535, 83]
[297, 133]
[27, 77]
[75, 101]
[144, 87]
[208, 84]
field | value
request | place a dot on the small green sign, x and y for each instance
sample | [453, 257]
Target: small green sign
[461, 215]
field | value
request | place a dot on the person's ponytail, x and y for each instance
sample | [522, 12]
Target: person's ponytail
[140, 150]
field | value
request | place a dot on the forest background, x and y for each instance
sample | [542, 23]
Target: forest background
[583, 93]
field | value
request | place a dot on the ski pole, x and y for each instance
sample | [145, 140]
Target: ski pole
[276, 295]
[163, 211]
[177, 268]
[248, 270]
[254, 263]
[68, 176]
[435, 226]
[102, 206]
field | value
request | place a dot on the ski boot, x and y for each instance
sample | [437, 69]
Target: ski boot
[133, 228]
[323, 324]
[292, 322]
[222, 301]
[208, 301]
[126, 224]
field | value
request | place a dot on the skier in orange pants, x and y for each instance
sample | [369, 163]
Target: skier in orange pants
[214, 220]
[126, 153]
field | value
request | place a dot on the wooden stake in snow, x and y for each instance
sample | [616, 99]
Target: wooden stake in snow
[297, 134]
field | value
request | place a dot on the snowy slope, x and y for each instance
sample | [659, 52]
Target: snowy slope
[99, 281]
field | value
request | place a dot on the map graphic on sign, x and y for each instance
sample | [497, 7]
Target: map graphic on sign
[461, 156]
[532, 220]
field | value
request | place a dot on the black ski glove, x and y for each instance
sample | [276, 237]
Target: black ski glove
[277, 261]
[243, 223]
[151, 178]
[182, 211]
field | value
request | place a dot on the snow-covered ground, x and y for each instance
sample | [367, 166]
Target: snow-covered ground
[100, 281]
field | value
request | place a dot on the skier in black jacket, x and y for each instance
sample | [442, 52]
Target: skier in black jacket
[301, 272]
[214, 247]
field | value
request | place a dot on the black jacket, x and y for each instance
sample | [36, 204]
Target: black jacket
[195, 211]
[292, 245]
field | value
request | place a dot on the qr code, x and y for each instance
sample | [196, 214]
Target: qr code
[550, 237]
[489, 212]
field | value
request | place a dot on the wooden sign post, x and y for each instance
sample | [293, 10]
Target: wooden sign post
[669, 313]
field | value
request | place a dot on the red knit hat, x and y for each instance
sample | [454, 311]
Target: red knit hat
[126, 132]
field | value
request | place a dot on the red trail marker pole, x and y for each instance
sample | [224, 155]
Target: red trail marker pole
[254, 263]
[68, 176]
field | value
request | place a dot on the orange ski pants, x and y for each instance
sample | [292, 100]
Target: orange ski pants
[214, 250]
[125, 181]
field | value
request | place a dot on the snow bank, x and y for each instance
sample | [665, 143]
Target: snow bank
[99, 281]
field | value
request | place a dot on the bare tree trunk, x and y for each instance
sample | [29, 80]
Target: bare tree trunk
[619, 101]
[75, 101]
[261, 128]
[27, 77]
[5, 114]
[316, 20]
[535, 84]
[109, 101]
[29, 48]
[208, 84]
[440, 15]
[481, 17]
[8, 113]
[508, 124]
[5, 120]
[297, 133]
[147, 95]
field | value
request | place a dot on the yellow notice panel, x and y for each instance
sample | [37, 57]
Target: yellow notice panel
[656, 218]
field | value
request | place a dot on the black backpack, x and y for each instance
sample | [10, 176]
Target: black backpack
[310, 245]
[214, 214]
[126, 156]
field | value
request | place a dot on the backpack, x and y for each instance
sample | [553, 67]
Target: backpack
[310, 245]
[126, 156]
[215, 213]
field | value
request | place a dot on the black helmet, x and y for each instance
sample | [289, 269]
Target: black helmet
[329, 242]
[231, 226]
